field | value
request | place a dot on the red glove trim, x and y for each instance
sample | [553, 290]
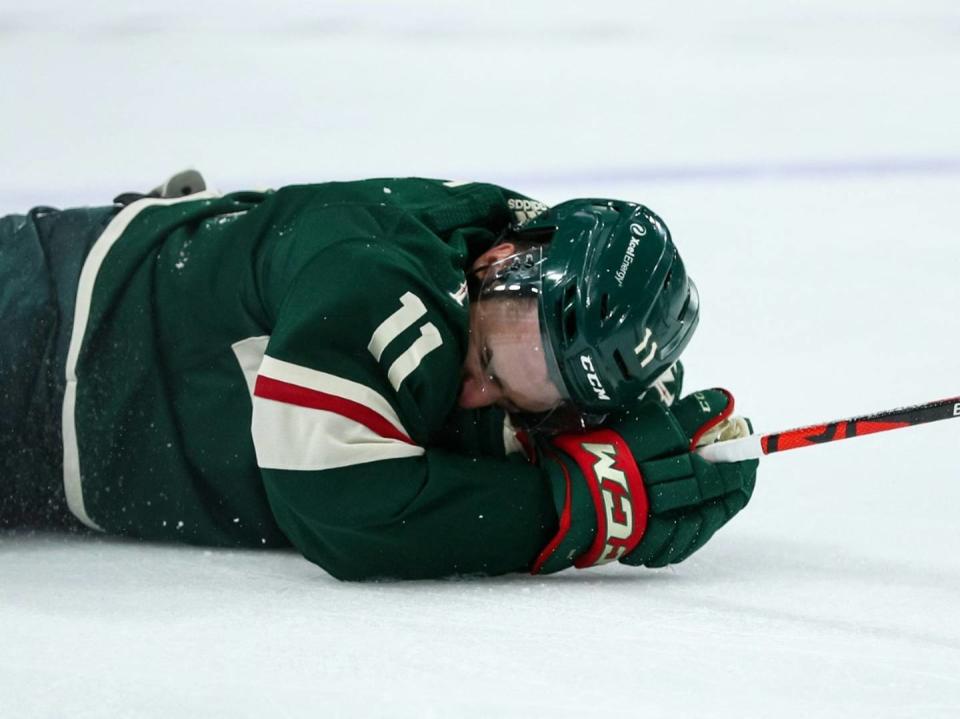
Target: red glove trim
[713, 421]
[616, 486]
[564, 525]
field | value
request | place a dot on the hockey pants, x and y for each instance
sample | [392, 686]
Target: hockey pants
[41, 256]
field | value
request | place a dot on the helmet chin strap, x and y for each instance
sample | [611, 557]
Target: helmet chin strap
[562, 418]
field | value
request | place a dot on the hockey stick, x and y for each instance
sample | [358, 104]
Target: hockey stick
[757, 445]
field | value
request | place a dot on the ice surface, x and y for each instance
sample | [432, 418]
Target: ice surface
[807, 158]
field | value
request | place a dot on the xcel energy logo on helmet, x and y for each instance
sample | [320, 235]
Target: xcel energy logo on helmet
[637, 231]
[593, 378]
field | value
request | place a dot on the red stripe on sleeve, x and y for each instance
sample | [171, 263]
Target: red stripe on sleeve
[279, 391]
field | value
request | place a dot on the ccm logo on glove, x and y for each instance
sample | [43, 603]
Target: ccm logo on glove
[616, 486]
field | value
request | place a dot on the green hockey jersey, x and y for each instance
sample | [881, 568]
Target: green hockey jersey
[259, 369]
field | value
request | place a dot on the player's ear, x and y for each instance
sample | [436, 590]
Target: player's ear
[494, 254]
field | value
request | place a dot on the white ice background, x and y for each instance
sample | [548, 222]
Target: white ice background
[806, 156]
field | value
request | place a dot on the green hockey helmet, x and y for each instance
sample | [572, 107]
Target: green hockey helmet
[616, 305]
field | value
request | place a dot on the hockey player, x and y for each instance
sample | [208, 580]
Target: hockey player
[336, 367]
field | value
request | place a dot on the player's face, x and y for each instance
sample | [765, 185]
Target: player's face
[505, 364]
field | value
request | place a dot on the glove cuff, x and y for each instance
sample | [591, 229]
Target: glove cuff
[616, 498]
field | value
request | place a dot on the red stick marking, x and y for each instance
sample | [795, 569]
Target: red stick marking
[799, 437]
[280, 391]
[874, 427]
[794, 439]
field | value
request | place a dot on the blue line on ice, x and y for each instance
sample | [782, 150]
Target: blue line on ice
[746, 171]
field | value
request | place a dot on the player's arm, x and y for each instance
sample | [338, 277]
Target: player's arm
[348, 401]
[358, 377]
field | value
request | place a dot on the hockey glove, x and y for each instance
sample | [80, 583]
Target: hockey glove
[636, 492]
